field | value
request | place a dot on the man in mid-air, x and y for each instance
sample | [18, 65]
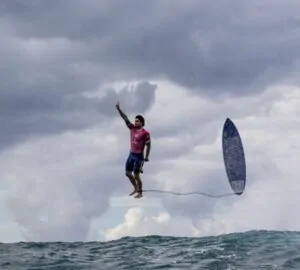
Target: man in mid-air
[139, 138]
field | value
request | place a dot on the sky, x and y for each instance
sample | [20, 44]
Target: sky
[185, 66]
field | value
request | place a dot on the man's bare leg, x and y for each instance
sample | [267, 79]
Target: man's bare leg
[133, 182]
[139, 185]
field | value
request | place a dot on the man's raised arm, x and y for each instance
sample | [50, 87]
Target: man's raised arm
[123, 115]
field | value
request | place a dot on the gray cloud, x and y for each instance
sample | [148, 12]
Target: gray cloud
[46, 58]
[201, 45]
[50, 112]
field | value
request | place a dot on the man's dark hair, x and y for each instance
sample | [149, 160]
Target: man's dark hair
[141, 118]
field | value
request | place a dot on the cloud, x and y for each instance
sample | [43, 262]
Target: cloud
[235, 47]
[138, 223]
[272, 151]
[38, 114]
[77, 172]
[59, 183]
[48, 63]
[267, 126]
[186, 67]
[267, 205]
[55, 196]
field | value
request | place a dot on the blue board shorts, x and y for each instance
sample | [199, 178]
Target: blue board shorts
[135, 162]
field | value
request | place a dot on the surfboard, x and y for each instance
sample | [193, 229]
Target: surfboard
[234, 157]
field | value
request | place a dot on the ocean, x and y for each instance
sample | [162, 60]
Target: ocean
[250, 250]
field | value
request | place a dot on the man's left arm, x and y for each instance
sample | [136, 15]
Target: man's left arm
[148, 146]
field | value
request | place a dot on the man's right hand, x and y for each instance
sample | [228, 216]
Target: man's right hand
[118, 106]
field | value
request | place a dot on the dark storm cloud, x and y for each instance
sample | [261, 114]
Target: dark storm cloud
[51, 53]
[45, 113]
[197, 44]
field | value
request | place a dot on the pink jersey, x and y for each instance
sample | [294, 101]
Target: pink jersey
[138, 139]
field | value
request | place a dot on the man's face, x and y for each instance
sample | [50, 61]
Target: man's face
[137, 123]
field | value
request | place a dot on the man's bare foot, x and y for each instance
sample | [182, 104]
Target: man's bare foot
[133, 192]
[139, 195]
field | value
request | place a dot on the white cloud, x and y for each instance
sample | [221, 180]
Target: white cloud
[268, 126]
[137, 222]
[65, 181]
[55, 185]
[272, 152]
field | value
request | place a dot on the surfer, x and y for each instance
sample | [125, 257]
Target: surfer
[139, 138]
